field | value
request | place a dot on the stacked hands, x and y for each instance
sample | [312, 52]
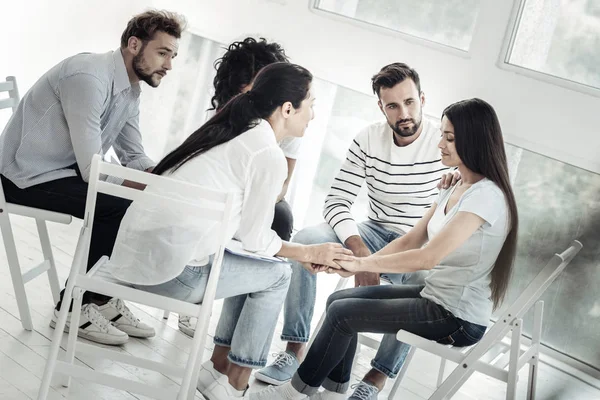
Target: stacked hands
[331, 258]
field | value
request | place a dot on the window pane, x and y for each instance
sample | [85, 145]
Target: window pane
[450, 22]
[560, 38]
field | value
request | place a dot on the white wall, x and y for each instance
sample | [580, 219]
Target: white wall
[40, 33]
[541, 117]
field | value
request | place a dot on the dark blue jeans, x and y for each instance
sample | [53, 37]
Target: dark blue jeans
[377, 309]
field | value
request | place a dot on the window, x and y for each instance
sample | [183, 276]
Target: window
[450, 23]
[559, 38]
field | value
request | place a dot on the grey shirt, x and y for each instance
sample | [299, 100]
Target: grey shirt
[81, 107]
[461, 282]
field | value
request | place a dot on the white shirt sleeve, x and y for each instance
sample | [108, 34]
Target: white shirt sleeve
[266, 173]
[486, 201]
[291, 147]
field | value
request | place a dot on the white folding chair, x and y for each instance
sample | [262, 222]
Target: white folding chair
[19, 279]
[494, 355]
[216, 207]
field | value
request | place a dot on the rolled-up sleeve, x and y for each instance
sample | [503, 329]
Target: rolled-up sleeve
[264, 179]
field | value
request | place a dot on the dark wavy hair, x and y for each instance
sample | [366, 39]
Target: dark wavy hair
[145, 25]
[480, 146]
[240, 64]
[392, 74]
[274, 85]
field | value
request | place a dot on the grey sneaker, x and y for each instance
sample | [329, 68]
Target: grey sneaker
[281, 371]
[364, 391]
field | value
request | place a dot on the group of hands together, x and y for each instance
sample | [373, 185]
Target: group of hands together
[334, 258]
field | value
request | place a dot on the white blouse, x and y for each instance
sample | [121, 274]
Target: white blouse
[154, 244]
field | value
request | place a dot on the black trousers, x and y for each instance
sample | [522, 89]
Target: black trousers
[283, 220]
[68, 196]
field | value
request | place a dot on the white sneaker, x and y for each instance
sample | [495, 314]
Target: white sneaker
[187, 324]
[208, 374]
[222, 390]
[283, 392]
[123, 319]
[93, 326]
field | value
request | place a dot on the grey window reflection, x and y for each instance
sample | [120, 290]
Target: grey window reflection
[450, 22]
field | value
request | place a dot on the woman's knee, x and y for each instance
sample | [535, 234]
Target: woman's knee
[337, 296]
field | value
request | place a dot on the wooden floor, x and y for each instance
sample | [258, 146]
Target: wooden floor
[23, 354]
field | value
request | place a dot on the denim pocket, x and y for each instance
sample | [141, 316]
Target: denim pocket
[466, 335]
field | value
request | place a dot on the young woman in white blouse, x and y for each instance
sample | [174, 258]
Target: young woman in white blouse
[467, 239]
[162, 251]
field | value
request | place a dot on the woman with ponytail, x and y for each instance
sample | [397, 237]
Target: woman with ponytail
[165, 252]
[467, 239]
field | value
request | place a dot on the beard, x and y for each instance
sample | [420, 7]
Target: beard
[141, 70]
[406, 131]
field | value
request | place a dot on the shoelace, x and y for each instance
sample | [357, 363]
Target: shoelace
[283, 359]
[125, 311]
[93, 314]
[363, 391]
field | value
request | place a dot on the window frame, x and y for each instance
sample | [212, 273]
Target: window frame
[508, 46]
[312, 5]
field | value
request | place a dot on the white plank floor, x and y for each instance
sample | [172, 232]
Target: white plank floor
[23, 354]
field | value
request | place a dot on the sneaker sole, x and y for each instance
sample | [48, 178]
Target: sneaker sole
[188, 331]
[133, 332]
[269, 380]
[91, 338]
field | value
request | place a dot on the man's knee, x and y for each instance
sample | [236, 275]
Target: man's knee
[317, 234]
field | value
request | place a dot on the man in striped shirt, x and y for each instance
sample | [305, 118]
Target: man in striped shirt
[81, 107]
[400, 162]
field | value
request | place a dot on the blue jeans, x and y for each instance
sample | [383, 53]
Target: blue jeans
[300, 301]
[254, 292]
[379, 309]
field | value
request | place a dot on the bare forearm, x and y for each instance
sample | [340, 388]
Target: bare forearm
[403, 243]
[294, 251]
[405, 261]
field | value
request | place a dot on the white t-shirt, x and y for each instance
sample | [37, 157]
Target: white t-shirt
[154, 244]
[289, 145]
[461, 282]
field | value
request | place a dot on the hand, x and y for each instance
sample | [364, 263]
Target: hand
[316, 268]
[449, 179]
[366, 279]
[327, 254]
[341, 272]
[149, 169]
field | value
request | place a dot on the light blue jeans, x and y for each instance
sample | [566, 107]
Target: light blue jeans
[254, 292]
[300, 301]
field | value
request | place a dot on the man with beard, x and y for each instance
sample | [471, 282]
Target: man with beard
[81, 107]
[400, 161]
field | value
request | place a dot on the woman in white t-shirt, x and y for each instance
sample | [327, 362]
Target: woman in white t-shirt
[165, 251]
[467, 239]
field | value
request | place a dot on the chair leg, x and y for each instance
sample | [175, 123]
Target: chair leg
[515, 352]
[56, 339]
[15, 271]
[440, 378]
[47, 251]
[73, 331]
[535, 341]
[402, 372]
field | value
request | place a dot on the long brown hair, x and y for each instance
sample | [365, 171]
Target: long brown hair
[480, 146]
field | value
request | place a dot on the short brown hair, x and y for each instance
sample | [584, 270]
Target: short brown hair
[392, 74]
[145, 25]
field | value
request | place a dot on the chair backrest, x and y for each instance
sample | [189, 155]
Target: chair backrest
[215, 205]
[10, 86]
[531, 294]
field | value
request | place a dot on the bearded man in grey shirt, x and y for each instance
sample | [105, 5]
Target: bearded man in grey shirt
[81, 107]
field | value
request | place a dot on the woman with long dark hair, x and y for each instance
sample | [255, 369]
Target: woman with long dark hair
[467, 239]
[168, 253]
